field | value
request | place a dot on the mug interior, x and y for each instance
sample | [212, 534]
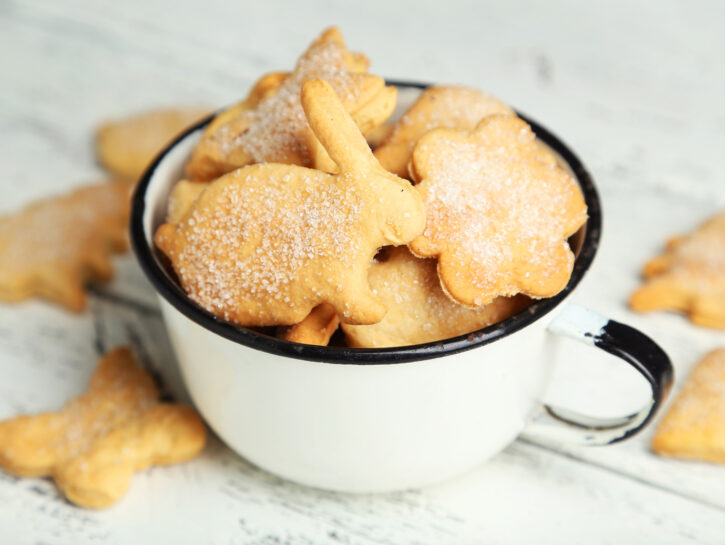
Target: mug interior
[149, 211]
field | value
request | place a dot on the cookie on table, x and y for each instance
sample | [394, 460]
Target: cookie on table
[276, 130]
[126, 147]
[445, 106]
[317, 328]
[95, 443]
[688, 277]
[694, 426]
[54, 247]
[418, 310]
[499, 211]
[267, 243]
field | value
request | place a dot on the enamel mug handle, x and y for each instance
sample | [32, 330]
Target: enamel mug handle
[634, 347]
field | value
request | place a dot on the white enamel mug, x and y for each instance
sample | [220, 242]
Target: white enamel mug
[372, 420]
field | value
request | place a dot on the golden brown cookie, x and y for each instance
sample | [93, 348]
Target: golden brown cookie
[418, 310]
[95, 443]
[368, 118]
[694, 427]
[55, 246]
[688, 277]
[265, 244]
[276, 130]
[127, 146]
[498, 214]
[181, 198]
[266, 86]
[378, 135]
[317, 328]
[449, 106]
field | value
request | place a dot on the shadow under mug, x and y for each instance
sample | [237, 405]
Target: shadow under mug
[372, 420]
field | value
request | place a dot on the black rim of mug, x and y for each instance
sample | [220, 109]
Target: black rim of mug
[167, 287]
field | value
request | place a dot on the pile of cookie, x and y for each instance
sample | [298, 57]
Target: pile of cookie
[305, 211]
[289, 217]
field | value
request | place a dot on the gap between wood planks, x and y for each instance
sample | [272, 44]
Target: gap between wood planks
[621, 473]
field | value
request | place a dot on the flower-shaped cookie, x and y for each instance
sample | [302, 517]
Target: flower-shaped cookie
[499, 211]
[265, 244]
[445, 106]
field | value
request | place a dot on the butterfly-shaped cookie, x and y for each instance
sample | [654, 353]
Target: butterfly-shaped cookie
[95, 443]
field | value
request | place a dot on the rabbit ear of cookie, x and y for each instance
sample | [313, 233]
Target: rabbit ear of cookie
[335, 129]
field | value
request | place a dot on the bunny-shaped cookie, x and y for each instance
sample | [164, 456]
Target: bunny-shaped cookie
[265, 244]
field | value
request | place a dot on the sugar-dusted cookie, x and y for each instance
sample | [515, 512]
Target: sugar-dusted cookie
[499, 211]
[694, 427]
[316, 328]
[446, 106]
[418, 310]
[689, 276]
[265, 87]
[95, 443]
[265, 244]
[368, 118]
[126, 146]
[275, 129]
[182, 196]
[53, 247]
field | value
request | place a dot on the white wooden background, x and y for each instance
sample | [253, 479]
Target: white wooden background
[635, 87]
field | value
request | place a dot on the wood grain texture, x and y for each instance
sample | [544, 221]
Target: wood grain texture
[642, 107]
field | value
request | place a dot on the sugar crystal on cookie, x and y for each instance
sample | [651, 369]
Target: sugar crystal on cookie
[499, 211]
[265, 244]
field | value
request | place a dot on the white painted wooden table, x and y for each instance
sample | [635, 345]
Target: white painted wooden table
[635, 88]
